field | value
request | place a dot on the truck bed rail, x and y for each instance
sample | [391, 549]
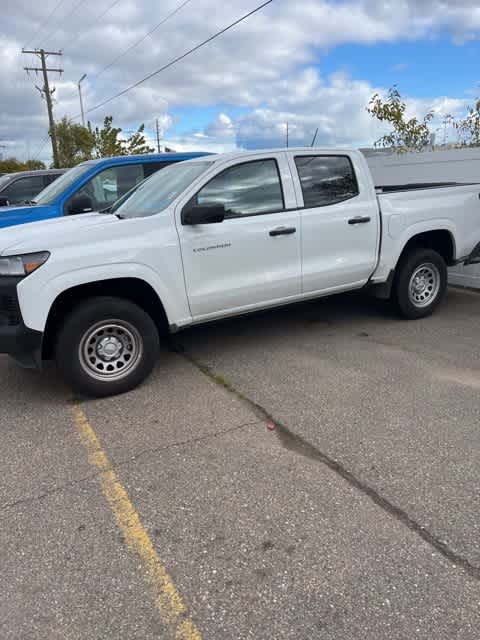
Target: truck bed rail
[392, 188]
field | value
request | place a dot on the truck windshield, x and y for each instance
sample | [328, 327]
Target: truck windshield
[55, 188]
[161, 189]
[118, 203]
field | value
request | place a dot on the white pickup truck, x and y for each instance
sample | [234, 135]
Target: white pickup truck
[220, 236]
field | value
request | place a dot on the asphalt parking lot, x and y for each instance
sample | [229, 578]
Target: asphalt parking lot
[175, 512]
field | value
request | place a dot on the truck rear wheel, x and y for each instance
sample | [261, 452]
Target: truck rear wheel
[106, 346]
[420, 283]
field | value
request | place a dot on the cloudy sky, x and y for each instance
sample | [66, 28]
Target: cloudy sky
[313, 63]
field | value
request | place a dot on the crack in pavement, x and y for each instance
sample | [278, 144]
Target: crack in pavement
[123, 462]
[295, 443]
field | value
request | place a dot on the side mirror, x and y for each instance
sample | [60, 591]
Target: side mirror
[203, 214]
[4, 201]
[80, 204]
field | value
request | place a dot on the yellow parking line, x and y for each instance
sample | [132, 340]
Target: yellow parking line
[167, 599]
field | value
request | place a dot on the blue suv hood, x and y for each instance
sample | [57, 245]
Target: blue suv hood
[21, 215]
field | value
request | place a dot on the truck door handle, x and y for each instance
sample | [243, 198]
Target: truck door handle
[359, 220]
[282, 231]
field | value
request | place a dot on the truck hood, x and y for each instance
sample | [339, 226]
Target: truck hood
[10, 216]
[22, 208]
[49, 234]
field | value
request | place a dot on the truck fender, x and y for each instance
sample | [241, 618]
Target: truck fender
[36, 309]
[393, 245]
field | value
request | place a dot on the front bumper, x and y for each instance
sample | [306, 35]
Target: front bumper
[16, 339]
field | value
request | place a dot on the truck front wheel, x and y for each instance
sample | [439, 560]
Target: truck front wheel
[420, 283]
[106, 346]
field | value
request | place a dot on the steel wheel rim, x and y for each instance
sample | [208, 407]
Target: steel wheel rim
[110, 350]
[424, 285]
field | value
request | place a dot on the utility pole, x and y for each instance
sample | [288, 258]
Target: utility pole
[79, 85]
[287, 135]
[47, 93]
[158, 137]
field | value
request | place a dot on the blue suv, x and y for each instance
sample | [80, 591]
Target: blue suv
[91, 186]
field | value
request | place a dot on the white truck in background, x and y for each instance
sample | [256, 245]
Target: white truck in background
[220, 236]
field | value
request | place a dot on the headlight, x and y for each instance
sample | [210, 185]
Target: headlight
[22, 265]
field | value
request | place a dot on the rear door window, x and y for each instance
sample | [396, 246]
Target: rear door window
[326, 180]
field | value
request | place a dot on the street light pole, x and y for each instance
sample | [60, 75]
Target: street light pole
[79, 84]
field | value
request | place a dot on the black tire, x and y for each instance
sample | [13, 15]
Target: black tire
[420, 303]
[81, 346]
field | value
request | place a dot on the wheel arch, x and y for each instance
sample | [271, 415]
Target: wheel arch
[135, 290]
[440, 240]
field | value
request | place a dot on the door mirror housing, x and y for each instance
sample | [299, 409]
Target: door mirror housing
[203, 214]
[4, 202]
[80, 204]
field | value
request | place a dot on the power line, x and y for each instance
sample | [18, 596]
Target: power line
[93, 23]
[42, 24]
[177, 59]
[135, 44]
[64, 19]
[29, 77]
[37, 31]
[41, 147]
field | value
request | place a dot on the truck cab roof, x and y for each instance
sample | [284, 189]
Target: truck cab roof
[239, 154]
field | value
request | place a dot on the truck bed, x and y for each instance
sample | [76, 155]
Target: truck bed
[454, 208]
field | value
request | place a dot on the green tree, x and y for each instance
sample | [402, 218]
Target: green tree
[75, 143]
[10, 165]
[33, 165]
[468, 129]
[108, 140]
[136, 143]
[406, 135]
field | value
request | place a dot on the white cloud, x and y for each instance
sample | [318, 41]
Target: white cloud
[336, 106]
[222, 128]
[266, 65]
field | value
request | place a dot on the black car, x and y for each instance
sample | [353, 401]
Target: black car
[23, 186]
